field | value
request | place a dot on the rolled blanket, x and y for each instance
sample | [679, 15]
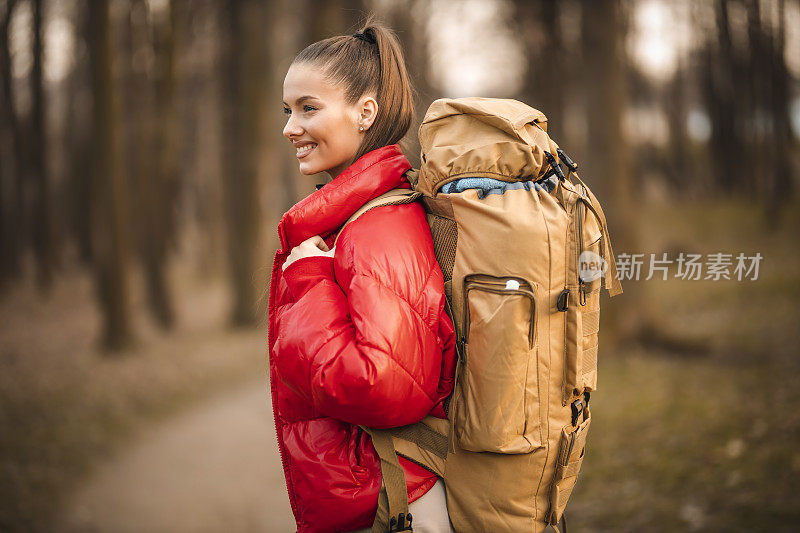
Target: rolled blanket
[486, 186]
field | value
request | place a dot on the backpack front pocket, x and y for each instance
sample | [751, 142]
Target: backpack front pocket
[499, 407]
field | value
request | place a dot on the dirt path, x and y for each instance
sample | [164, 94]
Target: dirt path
[214, 468]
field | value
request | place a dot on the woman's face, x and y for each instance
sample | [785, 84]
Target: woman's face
[321, 126]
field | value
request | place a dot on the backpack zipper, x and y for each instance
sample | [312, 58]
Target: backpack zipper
[579, 231]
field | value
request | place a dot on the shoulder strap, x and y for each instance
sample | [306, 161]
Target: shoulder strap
[613, 285]
[392, 514]
[392, 197]
[424, 443]
[412, 175]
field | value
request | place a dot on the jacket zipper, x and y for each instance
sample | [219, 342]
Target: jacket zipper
[274, 392]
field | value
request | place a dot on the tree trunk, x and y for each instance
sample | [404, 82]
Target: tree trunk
[781, 187]
[243, 77]
[721, 101]
[43, 244]
[202, 146]
[110, 237]
[80, 140]
[12, 215]
[162, 184]
[607, 164]
[757, 65]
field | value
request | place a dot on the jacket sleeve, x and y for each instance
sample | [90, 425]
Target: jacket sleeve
[360, 342]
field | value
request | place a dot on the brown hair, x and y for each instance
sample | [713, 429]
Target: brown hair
[370, 60]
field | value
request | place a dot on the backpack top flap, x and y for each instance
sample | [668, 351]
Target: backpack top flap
[481, 137]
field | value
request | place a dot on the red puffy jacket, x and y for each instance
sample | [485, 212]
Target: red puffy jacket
[360, 338]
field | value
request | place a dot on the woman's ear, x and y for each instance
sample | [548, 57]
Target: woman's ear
[368, 110]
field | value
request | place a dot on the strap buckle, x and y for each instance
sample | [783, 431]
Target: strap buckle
[401, 522]
[579, 407]
[564, 158]
[563, 300]
[554, 165]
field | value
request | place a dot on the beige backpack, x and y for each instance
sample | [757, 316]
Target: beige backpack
[523, 269]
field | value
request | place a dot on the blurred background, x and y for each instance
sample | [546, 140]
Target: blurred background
[143, 172]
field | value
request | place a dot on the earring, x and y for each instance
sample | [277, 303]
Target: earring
[361, 128]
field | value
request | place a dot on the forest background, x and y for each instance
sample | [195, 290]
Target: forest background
[143, 173]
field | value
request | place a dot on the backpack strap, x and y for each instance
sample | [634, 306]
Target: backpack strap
[392, 197]
[392, 514]
[561, 527]
[412, 175]
[613, 285]
[429, 438]
[424, 443]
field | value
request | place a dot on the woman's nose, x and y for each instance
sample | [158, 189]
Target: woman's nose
[292, 129]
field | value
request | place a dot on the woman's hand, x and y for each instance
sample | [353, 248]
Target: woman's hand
[308, 248]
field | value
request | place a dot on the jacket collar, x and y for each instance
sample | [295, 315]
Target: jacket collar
[323, 211]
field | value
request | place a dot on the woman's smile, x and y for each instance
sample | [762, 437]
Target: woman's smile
[304, 150]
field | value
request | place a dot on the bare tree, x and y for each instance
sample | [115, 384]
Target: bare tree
[757, 90]
[79, 103]
[11, 171]
[43, 243]
[607, 160]
[199, 103]
[109, 229]
[720, 90]
[781, 185]
[166, 178]
[244, 64]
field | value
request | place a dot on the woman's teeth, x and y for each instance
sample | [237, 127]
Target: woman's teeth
[303, 150]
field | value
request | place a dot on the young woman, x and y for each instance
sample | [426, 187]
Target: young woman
[358, 334]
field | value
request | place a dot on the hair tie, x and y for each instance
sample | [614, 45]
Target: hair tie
[366, 37]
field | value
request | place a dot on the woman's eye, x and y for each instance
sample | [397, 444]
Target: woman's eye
[306, 108]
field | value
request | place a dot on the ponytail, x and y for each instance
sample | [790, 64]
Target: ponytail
[369, 61]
